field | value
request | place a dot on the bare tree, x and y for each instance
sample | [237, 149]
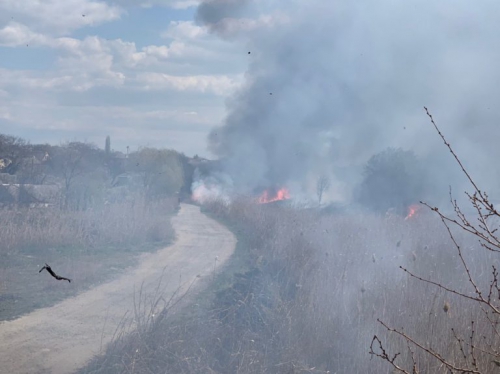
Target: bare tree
[477, 348]
[322, 185]
[33, 168]
[160, 170]
[70, 161]
[393, 178]
[12, 151]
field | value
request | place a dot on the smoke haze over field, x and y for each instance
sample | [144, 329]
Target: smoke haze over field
[331, 83]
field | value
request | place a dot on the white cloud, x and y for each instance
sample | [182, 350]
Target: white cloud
[5, 113]
[182, 115]
[81, 65]
[189, 53]
[189, 45]
[179, 4]
[24, 79]
[15, 34]
[93, 61]
[184, 30]
[57, 16]
[175, 4]
[221, 85]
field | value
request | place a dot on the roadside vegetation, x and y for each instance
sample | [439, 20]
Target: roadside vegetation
[306, 300]
[346, 292]
[88, 212]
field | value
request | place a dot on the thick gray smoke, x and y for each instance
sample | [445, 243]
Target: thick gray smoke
[330, 83]
[214, 12]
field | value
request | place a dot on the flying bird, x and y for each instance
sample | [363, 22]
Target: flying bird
[51, 272]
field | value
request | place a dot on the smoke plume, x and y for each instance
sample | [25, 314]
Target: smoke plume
[331, 83]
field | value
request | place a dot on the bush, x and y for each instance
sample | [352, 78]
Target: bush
[393, 178]
[161, 171]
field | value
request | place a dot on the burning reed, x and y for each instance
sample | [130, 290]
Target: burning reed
[311, 296]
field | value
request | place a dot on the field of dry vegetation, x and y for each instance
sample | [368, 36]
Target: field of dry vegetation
[87, 212]
[87, 246]
[310, 295]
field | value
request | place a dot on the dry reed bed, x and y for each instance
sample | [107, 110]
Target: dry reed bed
[109, 225]
[310, 302]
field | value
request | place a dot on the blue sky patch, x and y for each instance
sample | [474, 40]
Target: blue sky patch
[27, 58]
[140, 25]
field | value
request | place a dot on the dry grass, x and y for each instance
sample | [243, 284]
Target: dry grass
[310, 301]
[114, 224]
[89, 247]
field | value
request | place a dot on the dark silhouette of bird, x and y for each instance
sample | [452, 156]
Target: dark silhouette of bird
[51, 272]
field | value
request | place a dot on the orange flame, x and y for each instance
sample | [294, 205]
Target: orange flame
[268, 197]
[412, 210]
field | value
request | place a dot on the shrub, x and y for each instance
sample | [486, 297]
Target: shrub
[393, 178]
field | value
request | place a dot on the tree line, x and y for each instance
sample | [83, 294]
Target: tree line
[88, 176]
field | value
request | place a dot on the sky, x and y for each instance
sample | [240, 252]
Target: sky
[143, 72]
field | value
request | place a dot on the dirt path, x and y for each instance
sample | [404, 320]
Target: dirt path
[64, 337]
